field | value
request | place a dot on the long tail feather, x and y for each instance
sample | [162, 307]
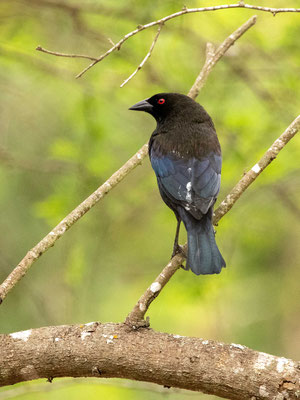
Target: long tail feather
[204, 257]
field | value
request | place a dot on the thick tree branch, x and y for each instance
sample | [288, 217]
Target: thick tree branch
[50, 239]
[185, 10]
[114, 350]
[136, 317]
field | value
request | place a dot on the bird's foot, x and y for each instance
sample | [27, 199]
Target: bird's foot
[178, 250]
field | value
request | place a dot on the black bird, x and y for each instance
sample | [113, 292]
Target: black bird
[186, 156]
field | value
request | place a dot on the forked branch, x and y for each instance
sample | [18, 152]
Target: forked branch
[136, 317]
[148, 55]
[185, 10]
[49, 240]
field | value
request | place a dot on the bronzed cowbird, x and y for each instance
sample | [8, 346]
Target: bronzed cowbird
[186, 157]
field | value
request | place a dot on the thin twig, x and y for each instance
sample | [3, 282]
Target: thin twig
[148, 55]
[50, 239]
[55, 53]
[140, 28]
[213, 56]
[251, 175]
[136, 317]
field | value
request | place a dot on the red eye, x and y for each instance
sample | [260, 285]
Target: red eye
[161, 101]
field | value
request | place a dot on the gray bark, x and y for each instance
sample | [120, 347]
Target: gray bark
[116, 350]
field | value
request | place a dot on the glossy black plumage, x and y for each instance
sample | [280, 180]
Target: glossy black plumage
[185, 154]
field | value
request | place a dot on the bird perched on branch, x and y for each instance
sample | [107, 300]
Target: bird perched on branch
[186, 156]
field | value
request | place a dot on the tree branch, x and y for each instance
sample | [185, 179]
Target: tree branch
[213, 56]
[148, 55]
[55, 53]
[256, 170]
[185, 10]
[113, 350]
[50, 239]
[136, 317]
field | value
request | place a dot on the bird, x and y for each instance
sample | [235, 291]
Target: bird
[186, 157]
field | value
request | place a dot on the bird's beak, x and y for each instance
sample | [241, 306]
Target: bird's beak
[142, 106]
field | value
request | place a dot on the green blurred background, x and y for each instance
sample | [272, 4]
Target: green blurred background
[61, 138]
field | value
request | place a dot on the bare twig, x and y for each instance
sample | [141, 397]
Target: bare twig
[185, 10]
[136, 317]
[39, 63]
[257, 169]
[213, 56]
[50, 239]
[55, 53]
[148, 55]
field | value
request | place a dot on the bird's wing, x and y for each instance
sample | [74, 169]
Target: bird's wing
[191, 183]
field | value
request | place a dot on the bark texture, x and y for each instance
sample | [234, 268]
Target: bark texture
[115, 350]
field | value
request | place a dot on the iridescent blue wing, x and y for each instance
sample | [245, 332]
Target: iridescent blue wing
[192, 183]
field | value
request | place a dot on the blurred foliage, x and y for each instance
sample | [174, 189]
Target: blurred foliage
[61, 138]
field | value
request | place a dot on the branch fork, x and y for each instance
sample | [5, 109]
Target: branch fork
[136, 317]
[160, 22]
[231, 371]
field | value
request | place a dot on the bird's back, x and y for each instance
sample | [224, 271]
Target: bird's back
[185, 154]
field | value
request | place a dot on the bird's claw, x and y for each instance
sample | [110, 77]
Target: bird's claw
[179, 250]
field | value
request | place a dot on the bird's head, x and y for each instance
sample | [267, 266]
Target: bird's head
[164, 105]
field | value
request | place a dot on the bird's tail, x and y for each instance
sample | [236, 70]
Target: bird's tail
[204, 257]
